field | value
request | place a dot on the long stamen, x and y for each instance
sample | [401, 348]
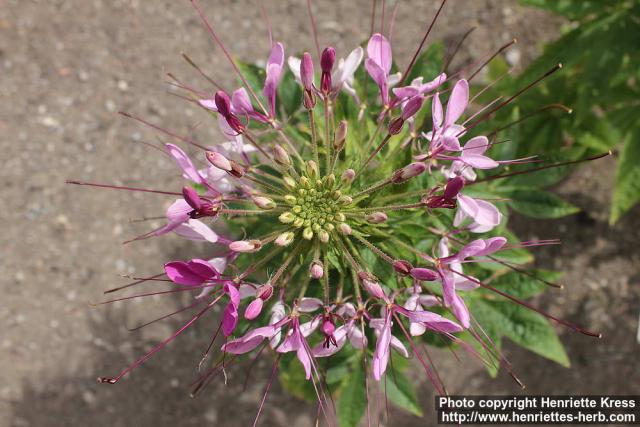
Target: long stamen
[165, 131]
[118, 187]
[424, 39]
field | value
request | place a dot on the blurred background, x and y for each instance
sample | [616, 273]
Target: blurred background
[69, 66]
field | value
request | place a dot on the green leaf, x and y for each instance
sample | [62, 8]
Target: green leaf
[292, 378]
[521, 325]
[401, 392]
[352, 402]
[627, 188]
[540, 204]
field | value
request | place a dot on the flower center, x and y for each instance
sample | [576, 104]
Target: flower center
[315, 207]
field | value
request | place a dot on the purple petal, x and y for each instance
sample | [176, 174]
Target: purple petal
[308, 305]
[378, 75]
[478, 161]
[381, 355]
[468, 205]
[436, 112]
[240, 101]
[476, 145]
[493, 244]
[398, 346]
[202, 268]
[277, 55]
[180, 273]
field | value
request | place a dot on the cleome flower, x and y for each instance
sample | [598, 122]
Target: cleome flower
[322, 216]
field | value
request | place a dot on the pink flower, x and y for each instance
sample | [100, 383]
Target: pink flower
[348, 331]
[294, 341]
[378, 65]
[484, 215]
[418, 88]
[446, 132]
[448, 266]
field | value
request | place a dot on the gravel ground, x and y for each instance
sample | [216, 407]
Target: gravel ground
[69, 66]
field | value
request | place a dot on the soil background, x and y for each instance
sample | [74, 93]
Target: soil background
[67, 67]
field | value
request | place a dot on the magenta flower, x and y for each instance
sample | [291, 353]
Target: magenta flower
[484, 215]
[418, 88]
[230, 314]
[295, 341]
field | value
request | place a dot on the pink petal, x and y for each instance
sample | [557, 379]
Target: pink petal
[436, 112]
[476, 145]
[340, 336]
[209, 104]
[468, 205]
[277, 55]
[493, 244]
[487, 214]
[305, 359]
[356, 338]
[457, 102]
[230, 315]
[184, 163]
[308, 305]
[398, 346]
[379, 50]
[240, 101]
[194, 229]
[202, 268]
[479, 161]
[377, 74]
[250, 340]
[381, 355]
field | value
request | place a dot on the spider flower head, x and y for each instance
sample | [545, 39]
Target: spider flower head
[339, 237]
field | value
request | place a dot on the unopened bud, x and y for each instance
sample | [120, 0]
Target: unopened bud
[312, 169]
[412, 106]
[285, 238]
[423, 274]
[245, 245]
[191, 197]
[453, 187]
[402, 267]
[289, 182]
[306, 72]
[304, 181]
[316, 271]
[307, 233]
[340, 217]
[323, 236]
[281, 156]
[254, 309]
[377, 218]
[344, 228]
[327, 60]
[348, 176]
[263, 202]
[341, 135]
[219, 161]
[287, 217]
[410, 171]
[395, 126]
[371, 285]
[264, 292]
[223, 103]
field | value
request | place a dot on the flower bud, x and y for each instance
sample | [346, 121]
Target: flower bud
[306, 72]
[327, 60]
[344, 228]
[285, 238]
[423, 274]
[287, 217]
[316, 271]
[289, 182]
[395, 126]
[219, 161]
[377, 218]
[281, 156]
[402, 267]
[410, 171]
[264, 292]
[412, 106]
[312, 169]
[453, 187]
[348, 176]
[307, 233]
[191, 197]
[345, 200]
[223, 103]
[329, 181]
[323, 236]
[341, 135]
[372, 287]
[263, 202]
[245, 245]
[253, 309]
